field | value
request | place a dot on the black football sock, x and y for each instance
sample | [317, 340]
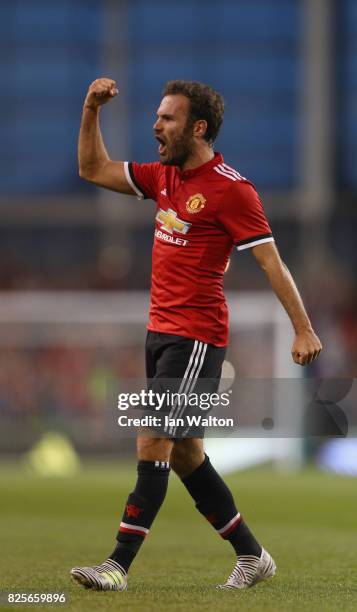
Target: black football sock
[141, 508]
[215, 501]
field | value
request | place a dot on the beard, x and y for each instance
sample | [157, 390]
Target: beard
[180, 150]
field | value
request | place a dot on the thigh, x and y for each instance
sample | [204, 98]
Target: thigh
[186, 360]
[201, 379]
[197, 369]
[170, 360]
[175, 359]
[181, 366]
[151, 348]
[167, 355]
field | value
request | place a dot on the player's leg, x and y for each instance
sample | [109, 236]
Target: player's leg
[140, 510]
[215, 501]
[145, 500]
[212, 496]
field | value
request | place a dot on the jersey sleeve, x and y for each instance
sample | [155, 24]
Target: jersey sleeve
[242, 215]
[143, 178]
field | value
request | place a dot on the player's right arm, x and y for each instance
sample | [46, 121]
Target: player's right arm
[95, 164]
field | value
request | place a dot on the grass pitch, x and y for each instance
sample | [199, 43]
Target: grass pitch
[306, 520]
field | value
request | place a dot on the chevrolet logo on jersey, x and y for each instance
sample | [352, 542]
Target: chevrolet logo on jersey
[170, 222]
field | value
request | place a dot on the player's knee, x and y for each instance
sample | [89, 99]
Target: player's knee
[153, 449]
[186, 456]
[177, 459]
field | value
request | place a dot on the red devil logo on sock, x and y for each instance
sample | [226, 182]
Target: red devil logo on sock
[133, 511]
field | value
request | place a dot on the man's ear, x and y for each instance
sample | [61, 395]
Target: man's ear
[200, 128]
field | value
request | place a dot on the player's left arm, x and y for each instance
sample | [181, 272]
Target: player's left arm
[306, 346]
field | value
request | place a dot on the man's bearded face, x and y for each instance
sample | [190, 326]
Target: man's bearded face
[173, 130]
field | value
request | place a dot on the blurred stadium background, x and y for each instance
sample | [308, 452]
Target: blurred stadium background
[288, 72]
[74, 260]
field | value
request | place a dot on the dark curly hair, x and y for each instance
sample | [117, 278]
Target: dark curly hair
[205, 103]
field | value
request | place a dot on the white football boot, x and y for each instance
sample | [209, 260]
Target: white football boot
[109, 576]
[249, 570]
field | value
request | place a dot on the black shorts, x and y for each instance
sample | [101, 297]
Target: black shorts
[185, 367]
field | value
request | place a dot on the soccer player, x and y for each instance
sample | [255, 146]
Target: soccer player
[203, 209]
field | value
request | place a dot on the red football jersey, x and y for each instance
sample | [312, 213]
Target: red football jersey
[201, 214]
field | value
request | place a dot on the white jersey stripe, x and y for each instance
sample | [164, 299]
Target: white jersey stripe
[229, 176]
[229, 171]
[233, 170]
[140, 195]
[254, 243]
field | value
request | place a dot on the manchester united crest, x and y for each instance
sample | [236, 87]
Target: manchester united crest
[195, 203]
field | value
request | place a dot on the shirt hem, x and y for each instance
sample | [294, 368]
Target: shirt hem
[187, 335]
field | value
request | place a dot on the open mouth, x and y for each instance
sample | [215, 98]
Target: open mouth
[162, 145]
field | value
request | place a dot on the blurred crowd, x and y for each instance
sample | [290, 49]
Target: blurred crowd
[62, 380]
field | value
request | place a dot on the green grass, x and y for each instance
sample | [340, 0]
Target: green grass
[306, 520]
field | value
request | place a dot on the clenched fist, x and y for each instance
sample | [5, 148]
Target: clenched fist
[306, 347]
[100, 92]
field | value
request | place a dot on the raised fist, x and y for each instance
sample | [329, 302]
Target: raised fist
[100, 92]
